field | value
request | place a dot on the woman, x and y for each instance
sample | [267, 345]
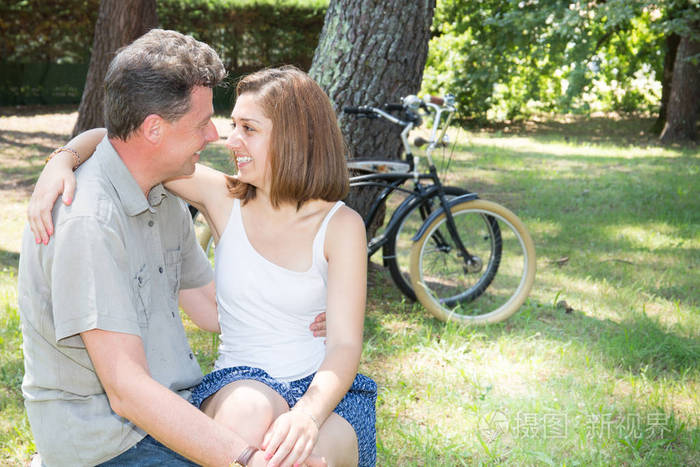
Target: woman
[287, 249]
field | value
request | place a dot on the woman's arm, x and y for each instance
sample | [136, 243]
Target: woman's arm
[346, 250]
[205, 188]
[56, 178]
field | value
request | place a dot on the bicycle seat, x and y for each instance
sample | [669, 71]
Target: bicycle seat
[379, 166]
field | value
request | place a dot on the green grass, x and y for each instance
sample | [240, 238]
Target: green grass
[613, 381]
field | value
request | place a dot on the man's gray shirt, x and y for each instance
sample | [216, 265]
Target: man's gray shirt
[116, 262]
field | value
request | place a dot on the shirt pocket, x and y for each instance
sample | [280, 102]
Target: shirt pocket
[142, 286]
[173, 264]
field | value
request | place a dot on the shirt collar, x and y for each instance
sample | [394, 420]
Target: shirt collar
[123, 181]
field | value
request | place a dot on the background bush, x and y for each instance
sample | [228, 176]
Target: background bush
[45, 46]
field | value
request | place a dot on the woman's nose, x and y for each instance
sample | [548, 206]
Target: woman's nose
[233, 141]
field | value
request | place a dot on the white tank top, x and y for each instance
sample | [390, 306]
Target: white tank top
[264, 309]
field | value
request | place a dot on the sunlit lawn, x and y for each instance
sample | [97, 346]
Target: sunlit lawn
[599, 367]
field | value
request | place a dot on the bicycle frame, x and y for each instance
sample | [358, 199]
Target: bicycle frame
[390, 182]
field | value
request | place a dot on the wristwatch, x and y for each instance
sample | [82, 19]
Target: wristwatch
[243, 459]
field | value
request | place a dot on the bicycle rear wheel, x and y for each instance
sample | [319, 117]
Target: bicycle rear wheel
[397, 252]
[486, 292]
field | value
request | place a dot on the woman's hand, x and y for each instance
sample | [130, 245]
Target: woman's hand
[290, 439]
[56, 178]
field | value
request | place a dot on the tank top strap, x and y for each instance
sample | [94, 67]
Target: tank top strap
[230, 229]
[320, 239]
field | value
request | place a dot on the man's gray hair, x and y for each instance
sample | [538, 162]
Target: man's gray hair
[155, 74]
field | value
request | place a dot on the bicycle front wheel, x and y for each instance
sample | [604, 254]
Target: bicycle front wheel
[490, 287]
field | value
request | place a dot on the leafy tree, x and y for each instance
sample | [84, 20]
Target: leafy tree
[119, 22]
[681, 110]
[684, 100]
[506, 58]
[372, 52]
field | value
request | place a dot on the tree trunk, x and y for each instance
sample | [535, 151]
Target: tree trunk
[372, 52]
[684, 103]
[119, 22]
[672, 41]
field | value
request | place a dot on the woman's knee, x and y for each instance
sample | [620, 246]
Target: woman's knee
[245, 406]
[337, 442]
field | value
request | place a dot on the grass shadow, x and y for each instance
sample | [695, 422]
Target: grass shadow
[638, 343]
[18, 138]
[36, 110]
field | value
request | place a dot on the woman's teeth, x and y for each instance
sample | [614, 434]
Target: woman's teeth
[243, 159]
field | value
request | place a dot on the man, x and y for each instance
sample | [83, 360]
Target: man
[108, 369]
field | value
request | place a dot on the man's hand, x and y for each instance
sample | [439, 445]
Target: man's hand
[318, 326]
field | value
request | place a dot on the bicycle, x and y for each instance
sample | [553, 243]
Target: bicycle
[443, 245]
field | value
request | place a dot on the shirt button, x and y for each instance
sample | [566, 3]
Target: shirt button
[160, 269]
[173, 313]
[191, 357]
[150, 223]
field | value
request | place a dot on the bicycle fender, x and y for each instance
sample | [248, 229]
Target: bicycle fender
[437, 212]
[405, 206]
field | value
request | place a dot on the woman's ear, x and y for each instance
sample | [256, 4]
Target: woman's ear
[152, 128]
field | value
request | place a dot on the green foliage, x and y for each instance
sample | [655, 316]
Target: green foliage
[509, 58]
[59, 31]
[42, 40]
[250, 34]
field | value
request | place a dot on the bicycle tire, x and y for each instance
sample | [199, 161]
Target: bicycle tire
[449, 292]
[397, 252]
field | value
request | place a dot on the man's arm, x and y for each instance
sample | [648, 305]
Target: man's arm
[200, 306]
[121, 366]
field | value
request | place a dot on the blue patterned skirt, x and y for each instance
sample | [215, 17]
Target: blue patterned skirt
[357, 406]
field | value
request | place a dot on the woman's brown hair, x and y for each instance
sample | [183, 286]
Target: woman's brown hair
[307, 151]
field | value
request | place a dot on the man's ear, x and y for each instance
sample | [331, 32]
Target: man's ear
[152, 128]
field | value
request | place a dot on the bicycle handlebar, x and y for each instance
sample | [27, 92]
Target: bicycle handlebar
[394, 107]
[436, 100]
[357, 110]
[410, 104]
[368, 111]
[410, 117]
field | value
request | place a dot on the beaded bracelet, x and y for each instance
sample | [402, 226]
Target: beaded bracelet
[76, 156]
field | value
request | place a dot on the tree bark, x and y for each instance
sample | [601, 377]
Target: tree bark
[684, 103]
[119, 22]
[372, 52]
[672, 42]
